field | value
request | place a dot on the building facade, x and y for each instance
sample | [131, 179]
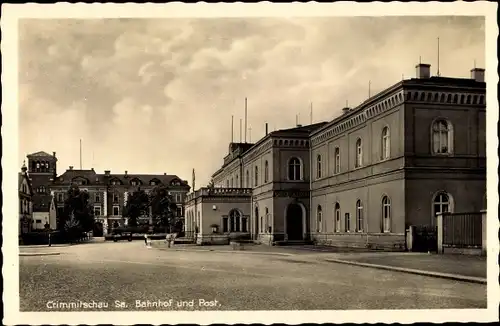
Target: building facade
[404, 155]
[25, 196]
[108, 192]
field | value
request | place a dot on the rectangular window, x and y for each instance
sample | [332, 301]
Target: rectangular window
[116, 210]
[244, 224]
[179, 211]
[347, 222]
[97, 210]
[38, 221]
[60, 197]
[225, 225]
[116, 198]
[178, 198]
[97, 198]
[237, 221]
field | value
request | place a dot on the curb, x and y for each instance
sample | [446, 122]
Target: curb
[455, 277]
[27, 254]
[229, 251]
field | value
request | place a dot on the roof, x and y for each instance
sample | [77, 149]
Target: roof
[41, 203]
[94, 178]
[300, 129]
[23, 176]
[39, 154]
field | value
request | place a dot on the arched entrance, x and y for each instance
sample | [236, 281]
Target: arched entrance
[294, 222]
[98, 229]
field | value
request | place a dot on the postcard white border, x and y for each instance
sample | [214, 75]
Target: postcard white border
[11, 13]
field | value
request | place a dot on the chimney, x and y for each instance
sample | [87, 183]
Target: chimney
[126, 174]
[423, 70]
[71, 167]
[54, 154]
[477, 74]
[266, 129]
[92, 169]
[164, 173]
[107, 172]
[345, 110]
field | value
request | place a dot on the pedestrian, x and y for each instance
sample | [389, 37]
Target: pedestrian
[146, 239]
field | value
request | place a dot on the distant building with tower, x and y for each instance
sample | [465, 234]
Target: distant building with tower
[416, 149]
[108, 192]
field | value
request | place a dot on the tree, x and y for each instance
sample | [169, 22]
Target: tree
[72, 228]
[163, 209]
[137, 205]
[77, 206]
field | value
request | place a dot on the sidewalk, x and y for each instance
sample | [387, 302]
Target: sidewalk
[458, 267]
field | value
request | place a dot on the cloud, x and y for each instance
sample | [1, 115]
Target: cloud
[157, 95]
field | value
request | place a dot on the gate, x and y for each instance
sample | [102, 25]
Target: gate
[423, 238]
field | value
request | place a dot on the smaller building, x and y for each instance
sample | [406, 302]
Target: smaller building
[44, 212]
[25, 195]
[215, 214]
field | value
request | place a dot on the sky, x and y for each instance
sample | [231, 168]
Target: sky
[157, 95]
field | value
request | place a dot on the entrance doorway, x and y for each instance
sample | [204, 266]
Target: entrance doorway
[294, 222]
[98, 229]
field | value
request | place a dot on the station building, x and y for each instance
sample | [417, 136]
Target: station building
[414, 150]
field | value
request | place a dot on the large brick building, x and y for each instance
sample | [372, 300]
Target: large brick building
[413, 150]
[108, 192]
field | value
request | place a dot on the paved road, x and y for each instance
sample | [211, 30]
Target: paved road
[128, 272]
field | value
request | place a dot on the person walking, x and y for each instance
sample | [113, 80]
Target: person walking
[146, 239]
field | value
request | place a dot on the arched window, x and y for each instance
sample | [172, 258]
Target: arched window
[337, 160]
[337, 217]
[294, 169]
[256, 176]
[386, 143]
[441, 203]
[232, 183]
[386, 214]
[319, 215]
[359, 153]
[347, 222]
[248, 179]
[318, 167]
[237, 181]
[359, 216]
[235, 221]
[266, 171]
[227, 183]
[442, 137]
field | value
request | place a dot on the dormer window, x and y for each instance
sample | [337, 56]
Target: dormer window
[153, 183]
[134, 183]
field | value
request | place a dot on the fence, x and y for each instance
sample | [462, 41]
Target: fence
[462, 231]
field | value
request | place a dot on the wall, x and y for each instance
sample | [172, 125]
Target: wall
[466, 193]
[43, 217]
